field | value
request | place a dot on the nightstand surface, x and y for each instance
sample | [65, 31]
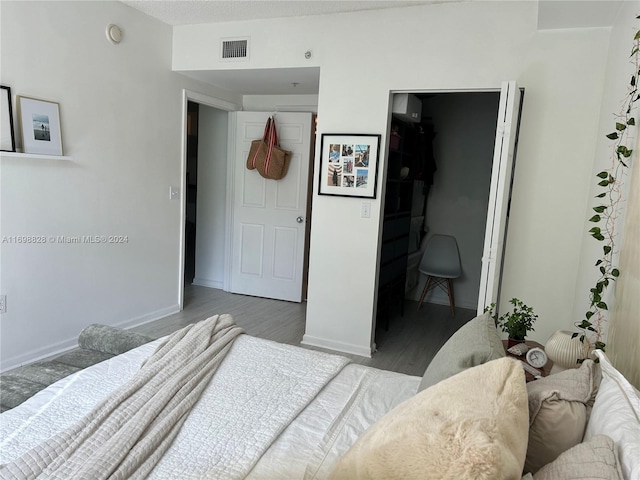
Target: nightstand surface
[545, 371]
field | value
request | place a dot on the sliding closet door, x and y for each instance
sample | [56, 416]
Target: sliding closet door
[499, 194]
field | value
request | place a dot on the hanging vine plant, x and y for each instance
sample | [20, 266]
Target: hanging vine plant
[608, 208]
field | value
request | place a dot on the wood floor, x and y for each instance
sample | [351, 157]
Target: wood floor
[407, 347]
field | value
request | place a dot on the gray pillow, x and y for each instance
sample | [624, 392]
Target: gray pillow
[113, 340]
[475, 343]
[593, 459]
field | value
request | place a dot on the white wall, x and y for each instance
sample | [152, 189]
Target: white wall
[121, 115]
[212, 196]
[470, 45]
[465, 126]
[280, 103]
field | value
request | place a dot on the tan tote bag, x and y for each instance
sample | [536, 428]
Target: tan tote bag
[266, 156]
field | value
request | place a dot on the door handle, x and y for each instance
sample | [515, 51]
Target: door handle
[300, 219]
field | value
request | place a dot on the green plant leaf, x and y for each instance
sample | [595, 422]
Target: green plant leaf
[633, 81]
[589, 315]
[631, 121]
[603, 271]
[603, 174]
[598, 263]
[595, 218]
[637, 34]
[599, 345]
[602, 305]
[606, 249]
[612, 136]
[621, 126]
[615, 272]
[624, 151]
[602, 195]
[604, 183]
[574, 335]
[600, 208]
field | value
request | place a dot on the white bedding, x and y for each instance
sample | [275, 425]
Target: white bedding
[267, 412]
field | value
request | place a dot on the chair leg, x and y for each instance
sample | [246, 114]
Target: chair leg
[424, 292]
[452, 302]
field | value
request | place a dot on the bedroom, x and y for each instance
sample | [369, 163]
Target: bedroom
[121, 171]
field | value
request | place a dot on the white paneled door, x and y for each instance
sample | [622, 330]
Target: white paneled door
[268, 235]
[499, 194]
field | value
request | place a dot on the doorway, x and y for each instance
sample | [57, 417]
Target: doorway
[449, 172]
[191, 192]
[206, 261]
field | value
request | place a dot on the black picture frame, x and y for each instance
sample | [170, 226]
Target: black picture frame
[349, 164]
[7, 135]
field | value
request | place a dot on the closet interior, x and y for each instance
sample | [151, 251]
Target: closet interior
[438, 179]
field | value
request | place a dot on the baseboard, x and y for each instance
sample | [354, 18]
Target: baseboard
[148, 317]
[336, 346]
[445, 302]
[207, 282]
[69, 344]
[39, 354]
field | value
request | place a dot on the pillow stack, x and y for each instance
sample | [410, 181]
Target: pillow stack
[472, 426]
[465, 423]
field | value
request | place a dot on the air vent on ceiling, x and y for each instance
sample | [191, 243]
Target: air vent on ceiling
[235, 49]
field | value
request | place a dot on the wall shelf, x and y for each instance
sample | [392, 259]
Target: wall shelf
[35, 155]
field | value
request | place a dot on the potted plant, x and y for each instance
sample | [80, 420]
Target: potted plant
[517, 323]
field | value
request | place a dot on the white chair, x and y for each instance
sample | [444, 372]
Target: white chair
[441, 263]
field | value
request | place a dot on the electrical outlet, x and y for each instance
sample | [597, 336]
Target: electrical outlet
[3, 304]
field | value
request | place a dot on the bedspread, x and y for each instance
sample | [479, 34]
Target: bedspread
[127, 434]
[258, 390]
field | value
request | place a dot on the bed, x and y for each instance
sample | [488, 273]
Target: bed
[274, 411]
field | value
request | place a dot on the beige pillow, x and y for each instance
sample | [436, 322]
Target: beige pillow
[593, 459]
[470, 426]
[475, 343]
[558, 412]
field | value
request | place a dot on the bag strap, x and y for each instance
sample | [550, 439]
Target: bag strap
[267, 129]
[273, 140]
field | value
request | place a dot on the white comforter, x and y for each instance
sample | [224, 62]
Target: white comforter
[271, 411]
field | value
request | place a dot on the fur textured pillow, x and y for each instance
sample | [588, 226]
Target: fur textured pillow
[558, 412]
[470, 426]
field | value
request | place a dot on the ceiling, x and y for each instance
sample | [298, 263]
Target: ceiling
[552, 14]
[190, 12]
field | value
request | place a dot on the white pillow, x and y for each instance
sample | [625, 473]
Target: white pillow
[616, 413]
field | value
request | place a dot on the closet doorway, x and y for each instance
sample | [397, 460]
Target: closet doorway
[453, 159]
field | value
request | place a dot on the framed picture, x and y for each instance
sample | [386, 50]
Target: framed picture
[349, 165]
[40, 126]
[7, 137]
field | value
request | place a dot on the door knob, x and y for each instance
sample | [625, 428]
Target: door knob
[300, 220]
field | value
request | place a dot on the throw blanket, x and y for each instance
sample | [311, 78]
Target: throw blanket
[127, 434]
